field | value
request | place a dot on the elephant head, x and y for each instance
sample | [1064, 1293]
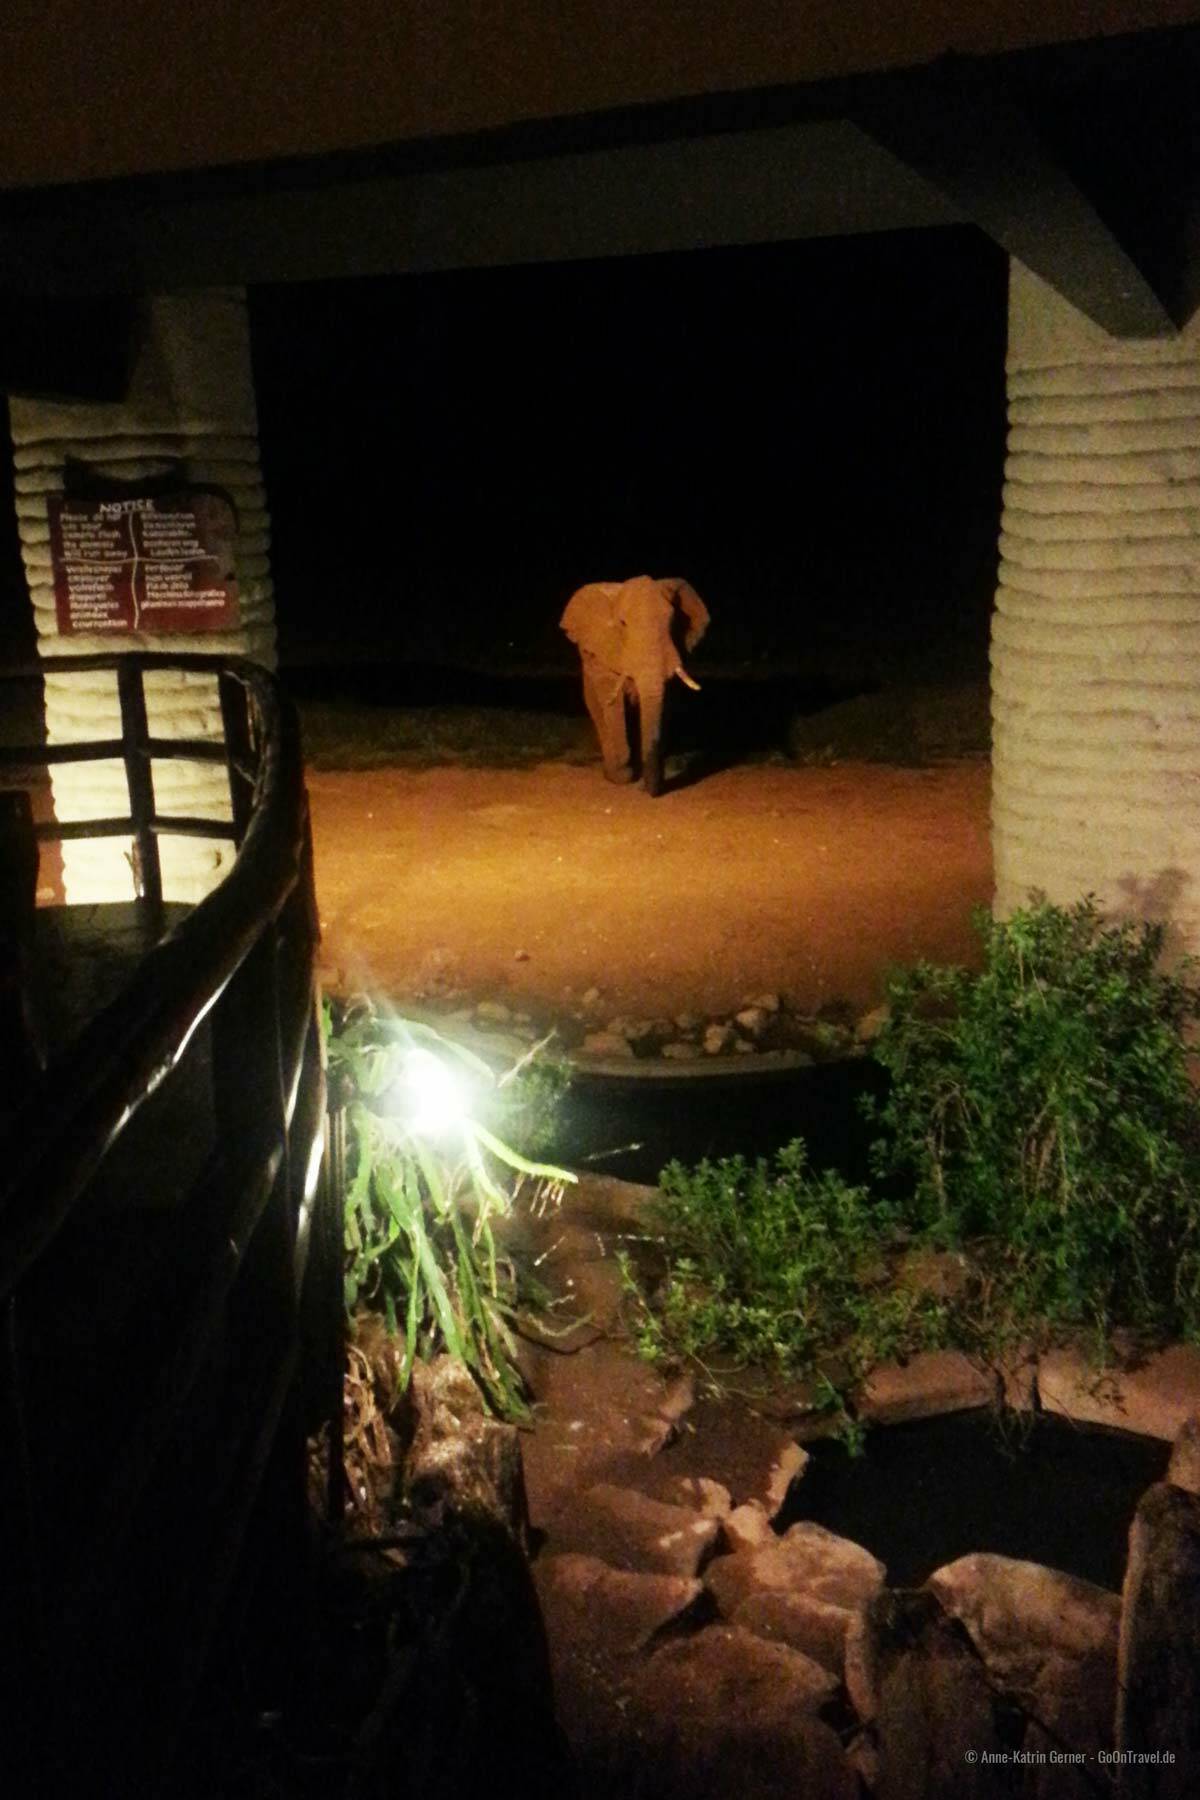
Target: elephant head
[632, 636]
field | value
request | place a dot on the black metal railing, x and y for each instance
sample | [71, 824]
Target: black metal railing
[169, 1268]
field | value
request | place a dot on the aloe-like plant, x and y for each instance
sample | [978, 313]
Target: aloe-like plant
[425, 1181]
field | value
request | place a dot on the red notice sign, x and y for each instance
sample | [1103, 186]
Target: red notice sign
[159, 565]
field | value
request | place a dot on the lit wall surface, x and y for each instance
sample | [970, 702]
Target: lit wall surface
[190, 406]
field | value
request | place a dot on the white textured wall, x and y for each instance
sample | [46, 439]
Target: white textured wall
[1096, 635]
[191, 397]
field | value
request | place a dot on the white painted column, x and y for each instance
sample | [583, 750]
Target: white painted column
[190, 405]
[1096, 635]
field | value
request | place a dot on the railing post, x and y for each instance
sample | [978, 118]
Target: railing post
[239, 749]
[28, 1672]
[20, 1049]
[135, 735]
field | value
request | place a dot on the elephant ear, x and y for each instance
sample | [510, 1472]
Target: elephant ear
[695, 612]
[590, 620]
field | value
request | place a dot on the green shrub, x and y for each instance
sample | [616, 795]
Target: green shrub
[1041, 1118]
[420, 1200]
[770, 1263]
[1044, 1108]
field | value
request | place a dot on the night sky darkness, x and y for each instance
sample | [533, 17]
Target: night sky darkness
[811, 433]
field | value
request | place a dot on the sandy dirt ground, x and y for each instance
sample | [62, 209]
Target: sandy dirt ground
[533, 885]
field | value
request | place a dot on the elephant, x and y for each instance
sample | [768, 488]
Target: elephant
[631, 636]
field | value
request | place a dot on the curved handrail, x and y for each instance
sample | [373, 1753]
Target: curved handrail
[88, 1095]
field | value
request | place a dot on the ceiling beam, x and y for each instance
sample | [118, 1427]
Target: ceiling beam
[977, 147]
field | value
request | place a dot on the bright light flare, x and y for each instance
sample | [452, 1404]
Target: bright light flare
[430, 1097]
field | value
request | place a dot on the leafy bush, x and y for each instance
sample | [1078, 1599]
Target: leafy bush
[1041, 1119]
[769, 1263]
[1044, 1106]
[421, 1198]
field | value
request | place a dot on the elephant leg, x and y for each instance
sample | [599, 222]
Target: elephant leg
[650, 711]
[604, 697]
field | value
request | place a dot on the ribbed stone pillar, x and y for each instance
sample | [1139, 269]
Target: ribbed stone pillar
[190, 407]
[1096, 636]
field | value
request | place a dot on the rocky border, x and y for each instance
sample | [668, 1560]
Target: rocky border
[688, 1632]
[764, 1033]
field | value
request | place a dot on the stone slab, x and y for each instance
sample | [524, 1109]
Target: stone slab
[591, 1609]
[929, 1384]
[627, 1530]
[807, 1559]
[814, 1627]
[1155, 1397]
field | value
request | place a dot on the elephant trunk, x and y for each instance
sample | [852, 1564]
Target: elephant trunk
[650, 711]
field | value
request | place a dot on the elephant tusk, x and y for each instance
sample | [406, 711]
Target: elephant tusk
[687, 680]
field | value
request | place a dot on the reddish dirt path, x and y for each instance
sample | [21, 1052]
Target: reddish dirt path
[807, 881]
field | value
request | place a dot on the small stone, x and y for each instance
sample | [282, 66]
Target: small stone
[862, 1753]
[688, 1022]
[607, 1043]
[681, 1052]
[871, 1024]
[935, 1717]
[743, 1047]
[942, 1274]
[591, 997]
[717, 1039]
[753, 1020]
[493, 1012]
[708, 1497]
[520, 956]
[768, 1003]
[747, 1527]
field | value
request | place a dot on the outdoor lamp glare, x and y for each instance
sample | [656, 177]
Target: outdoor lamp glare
[430, 1095]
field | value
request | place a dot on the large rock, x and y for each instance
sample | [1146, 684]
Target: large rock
[461, 1464]
[807, 1559]
[1158, 1711]
[724, 1713]
[755, 1459]
[1017, 1612]
[935, 1724]
[1183, 1470]
[699, 1718]
[478, 1683]
[628, 1530]
[811, 1626]
[1155, 1397]
[601, 1415]
[593, 1610]
[1049, 1644]
[722, 1668]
